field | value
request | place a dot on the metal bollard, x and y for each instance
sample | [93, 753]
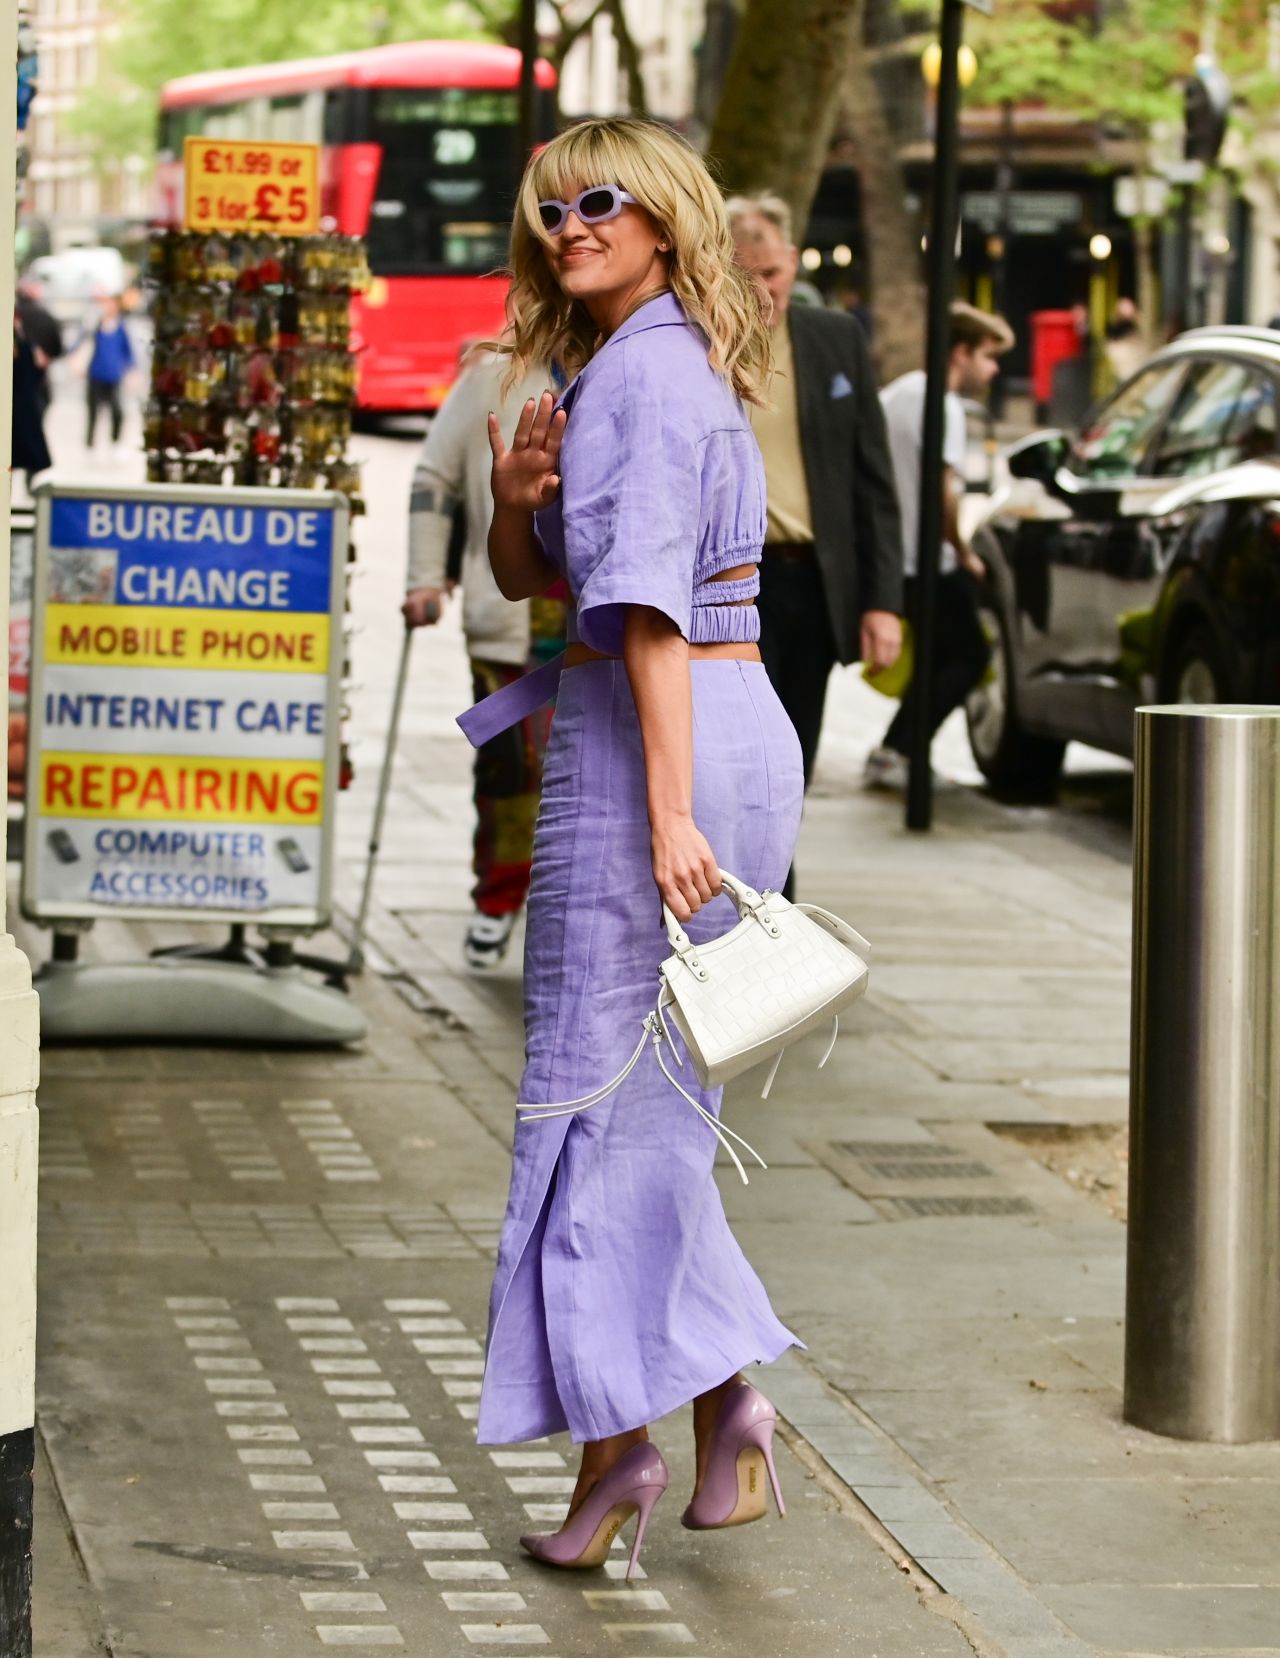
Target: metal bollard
[1202, 1332]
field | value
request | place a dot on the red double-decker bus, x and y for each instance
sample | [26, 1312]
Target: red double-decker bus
[420, 155]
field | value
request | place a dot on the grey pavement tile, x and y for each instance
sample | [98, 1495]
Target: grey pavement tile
[997, 1354]
[1106, 987]
[909, 1504]
[932, 1540]
[1081, 1530]
[1004, 1606]
[788, 1194]
[1040, 1022]
[869, 1472]
[1170, 1616]
[983, 1060]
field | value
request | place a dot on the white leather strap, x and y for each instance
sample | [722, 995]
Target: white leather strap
[655, 1029]
[777, 1058]
[747, 901]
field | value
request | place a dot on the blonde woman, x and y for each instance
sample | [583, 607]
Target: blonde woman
[620, 1292]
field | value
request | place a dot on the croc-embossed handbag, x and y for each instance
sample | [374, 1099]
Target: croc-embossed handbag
[784, 970]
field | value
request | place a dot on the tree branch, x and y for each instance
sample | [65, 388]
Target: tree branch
[629, 57]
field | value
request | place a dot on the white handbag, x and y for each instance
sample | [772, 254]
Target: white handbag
[744, 997]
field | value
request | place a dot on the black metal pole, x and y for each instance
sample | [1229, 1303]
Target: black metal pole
[941, 279]
[1004, 233]
[528, 79]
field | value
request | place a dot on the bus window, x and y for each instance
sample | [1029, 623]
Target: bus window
[286, 121]
[336, 121]
[226, 121]
[177, 124]
[446, 186]
[296, 119]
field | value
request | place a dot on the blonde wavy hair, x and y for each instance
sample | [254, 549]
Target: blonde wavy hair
[670, 181]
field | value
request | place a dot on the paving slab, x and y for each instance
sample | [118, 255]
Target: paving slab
[263, 1433]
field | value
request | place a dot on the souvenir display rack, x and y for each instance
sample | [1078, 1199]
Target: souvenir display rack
[252, 375]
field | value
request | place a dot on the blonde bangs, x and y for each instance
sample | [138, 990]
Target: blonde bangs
[671, 182]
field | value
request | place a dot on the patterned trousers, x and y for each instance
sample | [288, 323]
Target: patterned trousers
[508, 771]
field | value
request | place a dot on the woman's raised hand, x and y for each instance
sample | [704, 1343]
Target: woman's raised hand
[524, 477]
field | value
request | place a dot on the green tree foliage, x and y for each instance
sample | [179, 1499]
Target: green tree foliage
[163, 39]
[1122, 65]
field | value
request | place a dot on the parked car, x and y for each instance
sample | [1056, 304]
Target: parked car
[70, 281]
[1135, 560]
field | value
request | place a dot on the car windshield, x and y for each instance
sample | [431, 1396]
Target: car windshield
[1116, 441]
[1221, 411]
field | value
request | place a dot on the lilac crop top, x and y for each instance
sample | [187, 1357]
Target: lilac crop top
[662, 488]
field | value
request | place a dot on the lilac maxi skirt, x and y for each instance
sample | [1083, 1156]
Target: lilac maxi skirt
[620, 1292]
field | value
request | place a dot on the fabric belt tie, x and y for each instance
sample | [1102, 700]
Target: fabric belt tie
[502, 709]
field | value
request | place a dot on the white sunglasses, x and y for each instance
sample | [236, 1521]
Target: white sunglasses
[595, 206]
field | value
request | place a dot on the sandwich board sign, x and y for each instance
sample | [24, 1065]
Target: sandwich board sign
[186, 660]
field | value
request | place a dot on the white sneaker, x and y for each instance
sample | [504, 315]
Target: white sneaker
[886, 769]
[487, 939]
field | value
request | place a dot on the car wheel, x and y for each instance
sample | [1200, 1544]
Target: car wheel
[1195, 672]
[1012, 760]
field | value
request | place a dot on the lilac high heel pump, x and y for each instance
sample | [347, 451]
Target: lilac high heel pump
[632, 1486]
[741, 1453]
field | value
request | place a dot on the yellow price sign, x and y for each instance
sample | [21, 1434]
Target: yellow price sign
[237, 186]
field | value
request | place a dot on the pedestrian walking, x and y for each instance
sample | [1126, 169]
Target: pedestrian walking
[503, 639]
[831, 578]
[43, 330]
[110, 362]
[28, 450]
[1126, 346]
[620, 1292]
[961, 650]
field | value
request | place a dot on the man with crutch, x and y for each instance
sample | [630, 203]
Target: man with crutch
[503, 639]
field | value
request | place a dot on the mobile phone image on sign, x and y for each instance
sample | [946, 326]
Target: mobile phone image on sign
[63, 847]
[293, 856]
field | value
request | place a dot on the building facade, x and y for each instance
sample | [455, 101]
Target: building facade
[71, 197]
[667, 35]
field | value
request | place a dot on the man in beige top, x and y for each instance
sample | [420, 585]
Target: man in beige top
[831, 576]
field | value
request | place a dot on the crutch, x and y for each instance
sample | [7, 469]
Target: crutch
[355, 960]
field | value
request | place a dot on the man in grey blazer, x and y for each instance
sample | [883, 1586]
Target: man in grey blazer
[831, 575]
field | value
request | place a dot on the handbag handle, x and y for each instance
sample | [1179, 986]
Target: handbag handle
[747, 901]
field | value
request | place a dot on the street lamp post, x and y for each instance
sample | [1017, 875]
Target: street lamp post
[1099, 254]
[998, 245]
[941, 271]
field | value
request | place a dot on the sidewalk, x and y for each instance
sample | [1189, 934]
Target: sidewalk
[962, 1304]
[257, 1383]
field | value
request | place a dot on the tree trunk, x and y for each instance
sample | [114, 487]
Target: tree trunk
[628, 59]
[896, 284]
[773, 126]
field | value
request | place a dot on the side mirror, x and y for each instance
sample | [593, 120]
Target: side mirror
[1038, 456]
